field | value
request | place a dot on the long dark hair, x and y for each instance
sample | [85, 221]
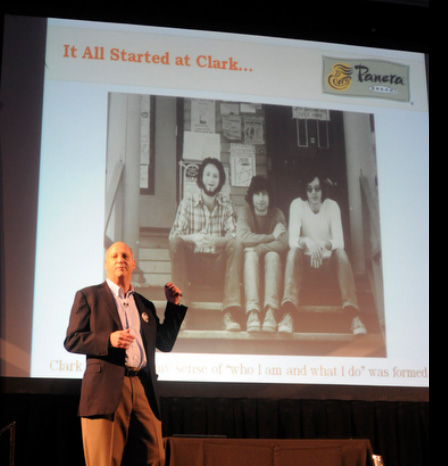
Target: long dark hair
[258, 184]
[326, 183]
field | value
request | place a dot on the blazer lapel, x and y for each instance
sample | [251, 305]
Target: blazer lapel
[147, 319]
[110, 304]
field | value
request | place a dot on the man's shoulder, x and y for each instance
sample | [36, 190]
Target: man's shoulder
[297, 201]
[330, 205]
[245, 210]
[330, 202]
[277, 214]
[275, 210]
[190, 200]
[92, 289]
[224, 199]
[142, 299]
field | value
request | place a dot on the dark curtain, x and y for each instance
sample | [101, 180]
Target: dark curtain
[48, 430]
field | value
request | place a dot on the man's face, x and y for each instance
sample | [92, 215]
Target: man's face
[210, 180]
[314, 192]
[119, 263]
[261, 202]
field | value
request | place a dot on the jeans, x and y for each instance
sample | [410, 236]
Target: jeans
[253, 274]
[222, 267]
[296, 263]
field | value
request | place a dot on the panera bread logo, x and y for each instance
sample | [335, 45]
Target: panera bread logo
[340, 77]
[366, 78]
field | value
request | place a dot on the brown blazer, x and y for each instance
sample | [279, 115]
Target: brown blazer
[93, 318]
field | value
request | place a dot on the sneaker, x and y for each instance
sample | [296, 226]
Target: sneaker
[269, 323]
[286, 325]
[229, 324]
[253, 322]
[358, 328]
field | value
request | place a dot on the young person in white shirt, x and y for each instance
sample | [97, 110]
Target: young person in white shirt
[316, 240]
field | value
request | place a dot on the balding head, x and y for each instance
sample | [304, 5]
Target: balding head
[120, 264]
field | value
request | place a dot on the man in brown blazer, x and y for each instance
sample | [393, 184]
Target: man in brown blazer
[118, 330]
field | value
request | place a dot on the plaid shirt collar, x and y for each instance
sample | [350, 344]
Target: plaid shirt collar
[220, 198]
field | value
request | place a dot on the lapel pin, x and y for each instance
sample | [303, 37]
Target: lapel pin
[145, 317]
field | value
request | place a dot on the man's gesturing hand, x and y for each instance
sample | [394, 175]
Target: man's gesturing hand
[172, 293]
[121, 339]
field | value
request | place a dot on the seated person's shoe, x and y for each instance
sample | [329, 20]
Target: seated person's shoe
[358, 328]
[269, 323]
[229, 324]
[286, 325]
[253, 322]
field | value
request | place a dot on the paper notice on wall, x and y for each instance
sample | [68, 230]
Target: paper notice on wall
[198, 146]
[231, 127]
[242, 164]
[203, 118]
[253, 130]
[302, 113]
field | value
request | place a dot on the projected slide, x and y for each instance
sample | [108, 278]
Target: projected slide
[273, 180]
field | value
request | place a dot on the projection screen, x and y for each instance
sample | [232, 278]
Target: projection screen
[129, 114]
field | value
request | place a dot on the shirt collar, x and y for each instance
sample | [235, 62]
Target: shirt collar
[221, 198]
[117, 291]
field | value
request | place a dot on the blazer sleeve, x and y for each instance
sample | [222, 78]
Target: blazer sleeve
[81, 337]
[168, 330]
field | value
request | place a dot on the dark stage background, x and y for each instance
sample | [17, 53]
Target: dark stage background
[396, 421]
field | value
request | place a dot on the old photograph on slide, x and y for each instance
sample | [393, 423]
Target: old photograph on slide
[252, 287]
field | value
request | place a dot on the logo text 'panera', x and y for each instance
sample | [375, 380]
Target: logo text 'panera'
[366, 78]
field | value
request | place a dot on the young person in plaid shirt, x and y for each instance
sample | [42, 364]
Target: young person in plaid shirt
[203, 240]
